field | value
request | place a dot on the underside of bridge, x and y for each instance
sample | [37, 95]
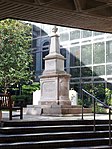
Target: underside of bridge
[85, 14]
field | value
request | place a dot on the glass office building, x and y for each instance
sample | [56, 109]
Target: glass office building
[88, 56]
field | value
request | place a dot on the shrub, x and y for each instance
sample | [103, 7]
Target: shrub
[25, 99]
[29, 89]
[99, 109]
[27, 94]
[87, 102]
[108, 96]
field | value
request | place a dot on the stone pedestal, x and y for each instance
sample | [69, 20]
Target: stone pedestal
[54, 80]
[54, 90]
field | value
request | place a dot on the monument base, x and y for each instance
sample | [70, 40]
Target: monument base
[56, 110]
[33, 110]
[52, 102]
[54, 89]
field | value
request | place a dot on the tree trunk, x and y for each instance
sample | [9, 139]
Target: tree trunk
[5, 88]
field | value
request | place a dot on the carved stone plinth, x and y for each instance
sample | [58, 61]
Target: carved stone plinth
[56, 110]
[59, 110]
[54, 89]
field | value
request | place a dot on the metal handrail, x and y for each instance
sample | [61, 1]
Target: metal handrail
[104, 105]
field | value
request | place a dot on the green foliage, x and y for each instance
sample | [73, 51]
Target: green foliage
[25, 99]
[79, 102]
[87, 99]
[108, 96]
[97, 90]
[15, 59]
[29, 89]
[87, 102]
[27, 94]
[99, 109]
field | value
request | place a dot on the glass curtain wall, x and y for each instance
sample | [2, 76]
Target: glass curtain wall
[88, 56]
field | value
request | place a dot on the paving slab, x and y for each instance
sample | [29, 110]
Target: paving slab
[28, 117]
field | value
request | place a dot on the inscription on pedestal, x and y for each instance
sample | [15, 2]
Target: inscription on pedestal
[49, 90]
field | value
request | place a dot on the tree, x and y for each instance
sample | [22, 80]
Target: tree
[15, 57]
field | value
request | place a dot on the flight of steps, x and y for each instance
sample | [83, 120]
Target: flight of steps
[77, 134]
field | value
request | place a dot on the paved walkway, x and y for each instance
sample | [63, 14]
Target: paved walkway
[27, 117]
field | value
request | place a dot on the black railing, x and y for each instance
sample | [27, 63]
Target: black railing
[94, 105]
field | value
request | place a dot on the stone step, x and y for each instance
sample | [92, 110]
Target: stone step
[23, 123]
[71, 106]
[56, 144]
[52, 136]
[76, 110]
[51, 129]
[90, 147]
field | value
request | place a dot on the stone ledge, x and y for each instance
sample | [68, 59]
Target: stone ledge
[34, 110]
[63, 111]
[55, 110]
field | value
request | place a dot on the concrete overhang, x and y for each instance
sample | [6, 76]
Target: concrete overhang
[85, 14]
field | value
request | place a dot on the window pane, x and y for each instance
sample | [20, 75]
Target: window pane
[87, 87]
[87, 99]
[46, 43]
[61, 29]
[97, 33]
[85, 34]
[86, 54]
[74, 34]
[86, 71]
[75, 56]
[109, 51]
[36, 31]
[46, 29]
[99, 79]
[99, 90]
[63, 52]
[87, 79]
[43, 33]
[74, 80]
[76, 87]
[75, 72]
[43, 55]
[109, 69]
[109, 85]
[98, 70]
[98, 53]
[64, 37]
[34, 43]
